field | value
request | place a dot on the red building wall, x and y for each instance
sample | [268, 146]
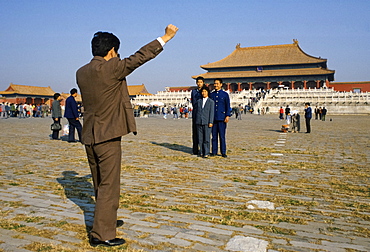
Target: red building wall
[363, 86]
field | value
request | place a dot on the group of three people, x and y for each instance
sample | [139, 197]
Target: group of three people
[211, 113]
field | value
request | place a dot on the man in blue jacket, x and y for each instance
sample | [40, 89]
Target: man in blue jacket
[71, 113]
[308, 116]
[222, 115]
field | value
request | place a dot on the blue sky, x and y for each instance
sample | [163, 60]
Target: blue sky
[43, 43]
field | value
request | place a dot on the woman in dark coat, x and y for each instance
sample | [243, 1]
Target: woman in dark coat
[56, 114]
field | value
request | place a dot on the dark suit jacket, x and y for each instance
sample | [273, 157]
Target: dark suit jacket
[205, 115]
[71, 110]
[308, 112]
[108, 111]
[195, 95]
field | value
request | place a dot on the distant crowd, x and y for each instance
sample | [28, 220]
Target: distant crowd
[24, 110]
[28, 110]
[176, 111]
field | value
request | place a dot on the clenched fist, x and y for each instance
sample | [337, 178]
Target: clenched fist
[170, 32]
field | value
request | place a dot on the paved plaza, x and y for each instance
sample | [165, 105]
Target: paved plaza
[275, 192]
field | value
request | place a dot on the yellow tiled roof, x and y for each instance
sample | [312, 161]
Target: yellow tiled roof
[265, 73]
[78, 98]
[28, 90]
[137, 90]
[265, 56]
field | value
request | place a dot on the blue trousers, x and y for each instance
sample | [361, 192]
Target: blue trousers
[219, 132]
[74, 124]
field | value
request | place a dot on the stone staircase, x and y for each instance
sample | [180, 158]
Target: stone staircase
[335, 102]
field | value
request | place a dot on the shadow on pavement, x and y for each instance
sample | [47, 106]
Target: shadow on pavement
[176, 147]
[80, 191]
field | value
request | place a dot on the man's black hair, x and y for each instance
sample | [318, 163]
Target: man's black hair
[199, 78]
[103, 42]
[56, 95]
[73, 91]
[220, 80]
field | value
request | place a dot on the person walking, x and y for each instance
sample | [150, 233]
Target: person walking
[71, 113]
[109, 115]
[222, 115]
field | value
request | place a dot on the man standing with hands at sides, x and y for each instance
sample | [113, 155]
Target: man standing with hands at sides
[222, 115]
[308, 116]
[71, 113]
[195, 96]
[108, 116]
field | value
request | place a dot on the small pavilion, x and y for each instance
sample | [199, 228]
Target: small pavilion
[269, 67]
[27, 94]
[135, 90]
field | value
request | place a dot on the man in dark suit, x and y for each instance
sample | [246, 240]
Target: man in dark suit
[71, 113]
[194, 97]
[108, 116]
[204, 120]
[308, 116]
[222, 115]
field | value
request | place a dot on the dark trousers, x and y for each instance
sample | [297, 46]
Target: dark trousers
[195, 136]
[219, 132]
[74, 124]
[308, 125]
[55, 134]
[204, 137]
[105, 165]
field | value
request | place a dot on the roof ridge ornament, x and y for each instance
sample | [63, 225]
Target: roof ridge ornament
[237, 46]
[295, 41]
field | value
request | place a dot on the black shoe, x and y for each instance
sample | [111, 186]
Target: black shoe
[119, 223]
[108, 243]
[224, 155]
[212, 155]
[72, 141]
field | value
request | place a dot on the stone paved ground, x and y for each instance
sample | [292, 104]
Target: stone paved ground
[275, 191]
